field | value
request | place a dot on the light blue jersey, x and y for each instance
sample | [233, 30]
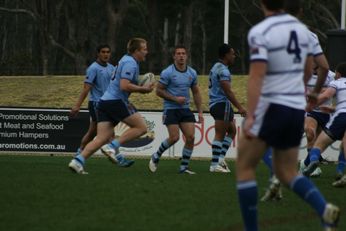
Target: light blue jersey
[178, 83]
[127, 68]
[98, 76]
[219, 72]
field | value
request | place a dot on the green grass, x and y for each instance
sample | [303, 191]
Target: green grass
[62, 92]
[40, 193]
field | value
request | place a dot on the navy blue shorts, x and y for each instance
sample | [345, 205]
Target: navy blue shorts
[177, 116]
[336, 127]
[321, 118]
[222, 111]
[281, 127]
[92, 107]
[114, 111]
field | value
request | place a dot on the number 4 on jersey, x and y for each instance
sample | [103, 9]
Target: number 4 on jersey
[293, 47]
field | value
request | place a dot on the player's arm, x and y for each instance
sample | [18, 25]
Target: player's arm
[322, 71]
[226, 87]
[257, 73]
[163, 93]
[84, 93]
[197, 98]
[325, 95]
[126, 85]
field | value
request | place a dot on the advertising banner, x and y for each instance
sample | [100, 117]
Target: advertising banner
[53, 131]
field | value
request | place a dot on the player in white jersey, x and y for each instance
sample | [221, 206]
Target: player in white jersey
[336, 127]
[281, 64]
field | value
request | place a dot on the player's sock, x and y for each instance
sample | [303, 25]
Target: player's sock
[307, 158]
[119, 157]
[315, 154]
[115, 144]
[163, 147]
[80, 159]
[247, 195]
[267, 159]
[309, 193]
[341, 162]
[185, 158]
[216, 149]
[226, 143]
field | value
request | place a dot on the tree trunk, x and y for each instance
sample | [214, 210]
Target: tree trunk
[188, 13]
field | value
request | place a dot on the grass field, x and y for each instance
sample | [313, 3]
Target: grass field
[62, 92]
[40, 193]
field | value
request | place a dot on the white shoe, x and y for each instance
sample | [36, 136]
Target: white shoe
[76, 167]
[218, 168]
[316, 173]
[224, 165]
[110, 153]
[152, 165]
[330, 217]
[340, 183]
[274, 191]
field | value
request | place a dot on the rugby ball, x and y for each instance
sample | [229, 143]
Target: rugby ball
[145, 79]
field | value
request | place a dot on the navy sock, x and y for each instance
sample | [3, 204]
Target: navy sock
[247, 196]
[341, 162]
[267, 159]
[216, 149]
[309, 193]
[315, 154]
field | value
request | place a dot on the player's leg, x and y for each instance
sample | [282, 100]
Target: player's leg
[173, 137]
[310, 128]
[340, 168]
[188, 130]
[171, 121]
[217, 146]
[322, 142]
[250, 152]
[285, 162]
[231, 132]
[105, 132]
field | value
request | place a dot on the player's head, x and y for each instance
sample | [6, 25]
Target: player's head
[226, 53]
[293, 7]
[103, 53]
[341, 70]
[137, 47]
[273, 5]
[180, 54]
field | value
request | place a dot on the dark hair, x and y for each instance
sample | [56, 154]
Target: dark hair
[273, 5]
[134, 44]
[341, 68]
[101, 46]
[223, 50]
[293, 7]
[179, 46]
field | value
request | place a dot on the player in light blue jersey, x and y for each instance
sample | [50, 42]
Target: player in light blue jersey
[221, 98]
[280, 66]
[98, 76]
[114, 105]
[174, 87]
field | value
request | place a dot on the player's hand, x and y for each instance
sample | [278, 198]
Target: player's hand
[311, 99]
[248, 123]
[200, 118]
[180, 99]
[327, 109]
[148, 88]
[74, 111]
[242, 112]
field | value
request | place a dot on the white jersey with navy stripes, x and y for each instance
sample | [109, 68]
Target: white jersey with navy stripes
[340, 87]
[284, 43]
[316, 47]
[312, 83]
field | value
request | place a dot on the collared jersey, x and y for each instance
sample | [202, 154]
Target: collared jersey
[284, 43]
[178, 83]
[99, 77]
[127, 68]
[219, 72]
